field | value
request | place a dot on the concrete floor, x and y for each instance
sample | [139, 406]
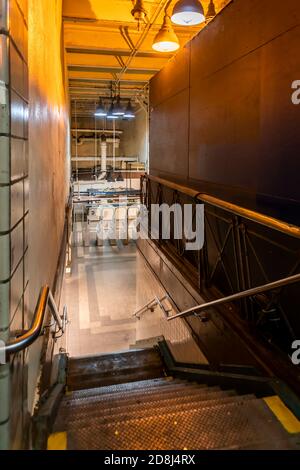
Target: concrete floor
[107, 285]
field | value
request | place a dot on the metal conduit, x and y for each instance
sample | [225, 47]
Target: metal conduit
[159, 9]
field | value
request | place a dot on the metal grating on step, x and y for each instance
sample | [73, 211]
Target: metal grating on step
[239, 424]
[126, 395]
[143, 412]
[138, 407]
[143, 384]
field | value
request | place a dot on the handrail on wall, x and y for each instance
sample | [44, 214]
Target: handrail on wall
[262, 219]
[46, 300]
[240, 295]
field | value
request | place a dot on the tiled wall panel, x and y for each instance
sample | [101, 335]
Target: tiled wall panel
[13, 194]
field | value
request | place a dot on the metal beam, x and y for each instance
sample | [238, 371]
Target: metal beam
[117, 53]
[94, 93]
[142, 83]
[91, 68]
[98, 89]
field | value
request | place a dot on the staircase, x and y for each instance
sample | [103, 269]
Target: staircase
[125, 402]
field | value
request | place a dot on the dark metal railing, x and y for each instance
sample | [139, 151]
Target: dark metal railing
[243, 249]
[261, 219]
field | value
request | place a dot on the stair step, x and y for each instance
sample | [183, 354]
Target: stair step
[127, 396]
[142, 409]
[138, 400]
[81, 382]
[130, 366]
[147, 343]
[141, 385]
[237, 424]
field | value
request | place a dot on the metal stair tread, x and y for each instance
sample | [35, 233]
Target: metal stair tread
[102, 379]
[139, 385]
[159, 402]
[168, 392]
[126, 415]
[221, 426]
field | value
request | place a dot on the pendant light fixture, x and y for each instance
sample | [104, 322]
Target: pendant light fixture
[166, 39]
[139, 12]
[111, 112]
[129, 113]
[118, 109]
[188, 13]
[211, 11]
[100, 110]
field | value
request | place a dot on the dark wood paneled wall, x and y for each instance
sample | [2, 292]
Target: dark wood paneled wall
[222, 118]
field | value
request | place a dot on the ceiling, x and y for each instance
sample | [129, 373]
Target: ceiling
[103, 43]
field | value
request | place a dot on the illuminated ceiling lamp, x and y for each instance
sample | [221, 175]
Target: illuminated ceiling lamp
[139, 12]
[166, 39]
[110, 115]
[100, 110]
[118, 109]
[188, 13]
[129, 113]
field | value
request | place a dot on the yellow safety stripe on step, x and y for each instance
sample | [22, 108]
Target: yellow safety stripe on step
[57, 441]
[283, 414]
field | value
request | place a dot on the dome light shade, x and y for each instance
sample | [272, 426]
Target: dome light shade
[166, 39]
[129, 113]
[188, 13]
[118, 109]
[110, 114]
[100, 110]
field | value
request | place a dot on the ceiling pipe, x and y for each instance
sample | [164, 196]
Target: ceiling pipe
[162, 4]
[125, 34]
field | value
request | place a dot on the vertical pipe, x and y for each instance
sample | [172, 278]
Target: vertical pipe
[96, 144]
[103, 156]
[147, 163]
[76, 148]
[114, 145]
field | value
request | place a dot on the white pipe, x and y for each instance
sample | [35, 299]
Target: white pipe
[103, 156]
[110, 158]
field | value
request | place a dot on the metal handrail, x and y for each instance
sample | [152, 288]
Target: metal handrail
[151, 306]
[240, 295]
[262, 219]
[46, 300]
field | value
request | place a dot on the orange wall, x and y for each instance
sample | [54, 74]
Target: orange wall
[48, 153]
